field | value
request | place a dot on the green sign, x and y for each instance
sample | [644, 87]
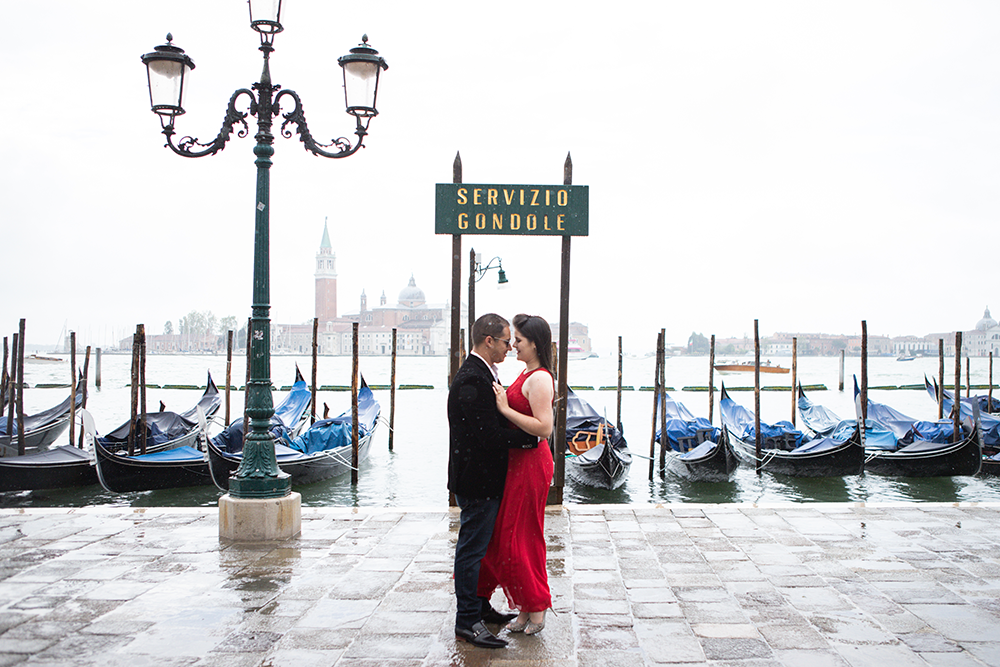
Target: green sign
[526, 210]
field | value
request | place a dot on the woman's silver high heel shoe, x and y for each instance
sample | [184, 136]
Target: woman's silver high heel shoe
[517, 626]
[534, 628]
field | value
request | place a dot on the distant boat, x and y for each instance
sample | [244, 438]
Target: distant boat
[748, 367]
[40, 359]
[905, 357]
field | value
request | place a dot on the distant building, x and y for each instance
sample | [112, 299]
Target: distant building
[419, 325]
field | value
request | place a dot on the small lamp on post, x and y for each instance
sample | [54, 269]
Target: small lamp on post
[476, 273]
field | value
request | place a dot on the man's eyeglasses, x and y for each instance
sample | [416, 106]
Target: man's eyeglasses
[505, 341]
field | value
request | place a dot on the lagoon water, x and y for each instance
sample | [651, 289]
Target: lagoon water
[414, 473]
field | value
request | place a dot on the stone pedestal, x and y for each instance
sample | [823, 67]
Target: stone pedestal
[260, 520]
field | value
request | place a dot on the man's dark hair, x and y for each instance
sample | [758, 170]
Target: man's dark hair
[489, 324]
[538, 331]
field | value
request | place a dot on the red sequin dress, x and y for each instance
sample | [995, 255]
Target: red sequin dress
[515, 559]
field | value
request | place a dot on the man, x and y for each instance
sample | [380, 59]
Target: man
[477, 469]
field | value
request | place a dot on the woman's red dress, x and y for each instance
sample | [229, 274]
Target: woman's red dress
[515, 559]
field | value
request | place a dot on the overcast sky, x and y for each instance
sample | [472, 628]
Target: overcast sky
[807, 164]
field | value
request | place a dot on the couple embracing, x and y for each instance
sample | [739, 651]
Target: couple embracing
[499, 468]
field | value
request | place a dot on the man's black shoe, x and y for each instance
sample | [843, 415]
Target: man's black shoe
[491, 615]
[479, 636]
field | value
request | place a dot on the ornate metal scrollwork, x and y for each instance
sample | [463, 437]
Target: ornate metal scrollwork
[297, 116]
[189, 146]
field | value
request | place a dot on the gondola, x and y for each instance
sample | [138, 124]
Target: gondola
[322, 451]
[66, 465]
[185, 465]
[597, 454]
[40, 429]
[924, 448]
[989, 424]
[786, 450]
[695, 450]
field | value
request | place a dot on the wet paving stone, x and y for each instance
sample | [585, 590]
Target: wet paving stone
[722, 585]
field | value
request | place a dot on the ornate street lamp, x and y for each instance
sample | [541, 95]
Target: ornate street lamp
[167, 66]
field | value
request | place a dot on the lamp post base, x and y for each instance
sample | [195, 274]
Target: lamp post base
[260, 519]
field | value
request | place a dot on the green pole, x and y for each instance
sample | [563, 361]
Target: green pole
[258, 475]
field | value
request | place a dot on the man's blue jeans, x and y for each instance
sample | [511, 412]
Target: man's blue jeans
[476, 528]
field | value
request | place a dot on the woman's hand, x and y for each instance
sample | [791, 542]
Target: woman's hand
[501, 395]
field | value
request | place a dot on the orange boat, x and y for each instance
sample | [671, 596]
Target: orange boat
[748, 366]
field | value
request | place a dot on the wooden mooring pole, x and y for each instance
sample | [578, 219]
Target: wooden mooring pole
[956, 407]
[142, 385]
[968, 379]
[795, 375]
[454, 358]
[940, 378]
[354, 405]
[663, 402]
[315, 362]
[72, 387]
[392, 391]
[12, 389]
[711, 377]
[989, 394]
[229, 372]
[656, 396]
[97, 369]
[134, 394]
[864, 371]
[756, 394]
[20, 387]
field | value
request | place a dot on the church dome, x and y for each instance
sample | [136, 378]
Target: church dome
[986, 323]
[412, 295]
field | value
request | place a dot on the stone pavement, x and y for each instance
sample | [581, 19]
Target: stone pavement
[809, 584]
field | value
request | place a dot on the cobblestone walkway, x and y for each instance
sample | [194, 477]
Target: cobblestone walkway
[812, 585]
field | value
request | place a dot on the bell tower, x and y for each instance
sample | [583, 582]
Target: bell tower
[326, 279]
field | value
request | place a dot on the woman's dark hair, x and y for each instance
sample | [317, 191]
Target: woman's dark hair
[537, 330]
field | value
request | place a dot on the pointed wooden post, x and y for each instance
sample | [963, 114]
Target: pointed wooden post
[864, 371]
[756, 394]
[454, 352]
[656, 395]
[142, 384]
[72, 387]
[663, 402]
[795, 375]
[229, 372]
[20, 388]
[12, 390]
[956, 408]
[315, 363]
[355, 463]
[711, 377]
[392, 392]
[559, 452]
[940, 378]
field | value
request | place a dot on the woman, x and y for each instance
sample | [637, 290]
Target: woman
[515, 558]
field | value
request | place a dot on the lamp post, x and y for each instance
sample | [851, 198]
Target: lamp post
[476, 273]
[258, 476]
